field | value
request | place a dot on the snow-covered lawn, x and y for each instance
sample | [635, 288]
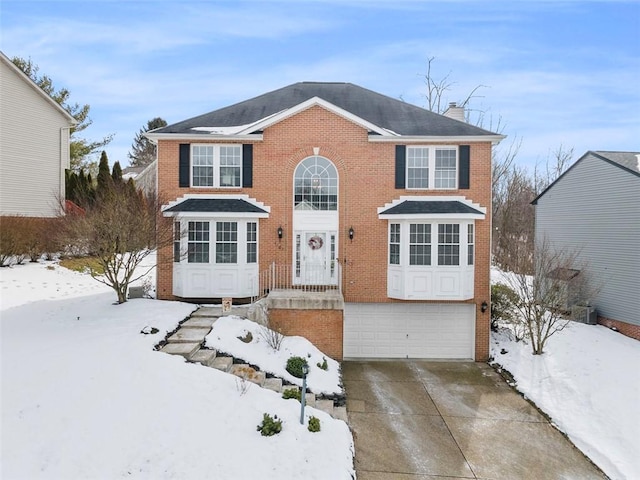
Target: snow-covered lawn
[84, 395]
[588, 383]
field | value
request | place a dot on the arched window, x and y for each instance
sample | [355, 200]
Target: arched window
[316, 185]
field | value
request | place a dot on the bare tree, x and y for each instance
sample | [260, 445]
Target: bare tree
[560, 280]
[120, 231]
[438, 88]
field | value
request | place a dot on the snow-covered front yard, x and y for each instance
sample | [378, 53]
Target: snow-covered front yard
[588, 383]
[84, 395]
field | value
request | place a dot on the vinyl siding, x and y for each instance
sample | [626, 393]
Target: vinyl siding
[34, 149]
[595, 208]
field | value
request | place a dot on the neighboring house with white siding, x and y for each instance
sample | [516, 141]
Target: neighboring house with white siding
[594, 208]
[34, 146]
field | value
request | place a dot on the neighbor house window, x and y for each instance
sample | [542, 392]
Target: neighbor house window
[226, 242]
[394, 244]
[252, 242]
[176, 241]
[470, 244]
[448, 244]
[420, 244]
[216, 165]
[432, 167]
[198, 242]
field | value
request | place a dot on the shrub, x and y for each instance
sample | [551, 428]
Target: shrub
[291, 393]
[270, 425]
[503, 303]
[324, 365]
[294, 366]
[314, 424]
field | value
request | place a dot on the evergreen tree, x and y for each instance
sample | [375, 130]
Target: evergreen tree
[116, 174]
[105, 182]
[143, 151]
[80, 148]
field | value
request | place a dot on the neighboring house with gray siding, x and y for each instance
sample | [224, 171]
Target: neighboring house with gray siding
[594, 208]
[34, 146]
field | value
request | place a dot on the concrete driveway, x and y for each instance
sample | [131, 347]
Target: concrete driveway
[418, 420]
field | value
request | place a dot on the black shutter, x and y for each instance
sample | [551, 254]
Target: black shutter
[401, 155]
[464, 174]
[247, 165]
[185, 165]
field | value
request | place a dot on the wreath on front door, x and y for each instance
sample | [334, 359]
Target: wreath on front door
[315, 242]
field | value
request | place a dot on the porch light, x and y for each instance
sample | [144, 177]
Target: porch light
[351, 233]
[280, 232]
[484, 306]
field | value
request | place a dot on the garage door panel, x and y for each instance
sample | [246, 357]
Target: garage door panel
[399, 330]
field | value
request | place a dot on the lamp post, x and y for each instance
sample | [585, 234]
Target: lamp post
[305, 371]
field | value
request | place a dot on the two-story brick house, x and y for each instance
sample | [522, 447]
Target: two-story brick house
[379, 207]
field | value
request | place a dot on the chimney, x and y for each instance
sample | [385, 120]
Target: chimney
[455, 112]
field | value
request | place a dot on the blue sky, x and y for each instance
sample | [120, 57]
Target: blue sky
[553, 73]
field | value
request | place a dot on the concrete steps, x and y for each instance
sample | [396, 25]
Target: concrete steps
[188, 341]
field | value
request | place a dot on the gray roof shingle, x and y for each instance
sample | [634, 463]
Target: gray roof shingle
[386, 112]
[227, 205]
[430, 207]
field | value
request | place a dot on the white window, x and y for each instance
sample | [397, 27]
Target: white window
[470, 244]
[216, 165]
[448, 244]
[394, 244]
[418, 167]
[226, 242]
[198, 242]
[439, 173]
[316, 185]
[420, 244]
[252, 242]
[445, 168]
[176, 241]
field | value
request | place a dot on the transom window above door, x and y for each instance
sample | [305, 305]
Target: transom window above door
[216, 165]
[315, 185]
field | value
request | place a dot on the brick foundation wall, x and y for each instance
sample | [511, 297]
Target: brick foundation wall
[627, 329]
[323, 328]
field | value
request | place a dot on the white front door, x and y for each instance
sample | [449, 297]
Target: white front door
[316, 258]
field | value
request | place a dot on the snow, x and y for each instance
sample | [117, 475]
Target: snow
[84, 395]
[224, 337]
[587, 382]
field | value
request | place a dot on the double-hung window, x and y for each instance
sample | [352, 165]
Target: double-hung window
[394, 244]
[432, 167]
[448, 244]
[226, 242]
[470, 244]
[252, 242]
[198, 242]
[420, 244]
[176, 242]
[216, 165]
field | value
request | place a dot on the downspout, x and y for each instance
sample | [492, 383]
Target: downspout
[64, 155]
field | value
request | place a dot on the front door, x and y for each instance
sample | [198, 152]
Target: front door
[316, 258]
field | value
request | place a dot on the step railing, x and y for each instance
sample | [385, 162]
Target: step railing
[308, 279]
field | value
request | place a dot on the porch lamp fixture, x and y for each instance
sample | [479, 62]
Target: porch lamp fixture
[280, 232]
[351, 233]
[484, 306]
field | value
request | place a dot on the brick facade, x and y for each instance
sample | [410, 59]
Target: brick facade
[323, 328]
[366, 172]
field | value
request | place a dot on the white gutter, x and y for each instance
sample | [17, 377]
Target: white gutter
[494, 139]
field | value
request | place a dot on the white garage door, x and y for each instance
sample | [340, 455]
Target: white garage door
[403, 330]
